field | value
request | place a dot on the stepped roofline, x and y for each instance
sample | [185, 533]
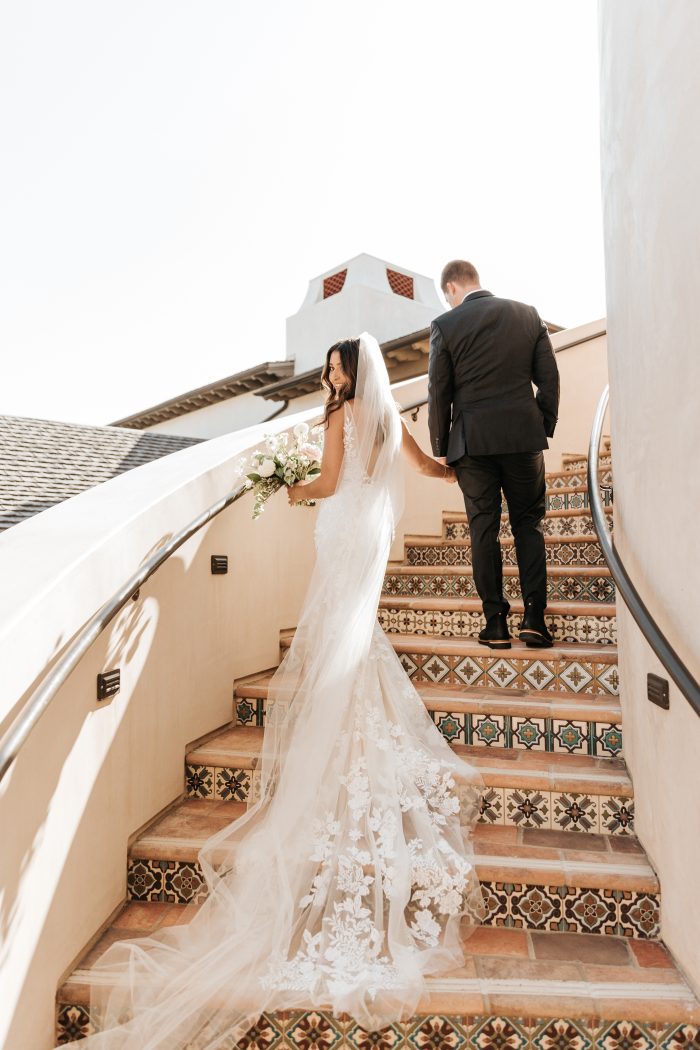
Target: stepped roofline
[220, 390]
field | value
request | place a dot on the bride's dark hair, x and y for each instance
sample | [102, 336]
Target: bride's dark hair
[349, 350]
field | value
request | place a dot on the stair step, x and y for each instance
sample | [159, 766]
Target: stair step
[434, 550]
[543, 976]
[570, 583]
[578, 462]
[530, 878]
[560, 522]
[545, 789]
[572, 497]
[589, 669]
[523, 719]
[569, 622]
[565, 479]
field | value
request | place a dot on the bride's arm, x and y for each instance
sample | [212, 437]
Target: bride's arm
[325, 484]
[415, 455]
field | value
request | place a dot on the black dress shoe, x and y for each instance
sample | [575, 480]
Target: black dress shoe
[533, 629]
[496, 634]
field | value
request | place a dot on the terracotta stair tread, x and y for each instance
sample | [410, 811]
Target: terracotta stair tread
[502, 854]
[239, 747]
[531, 702]
[611, 976]
[468, 647]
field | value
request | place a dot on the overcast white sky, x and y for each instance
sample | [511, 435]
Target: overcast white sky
[174, 173]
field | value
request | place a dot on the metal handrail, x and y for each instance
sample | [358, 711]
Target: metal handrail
[415, 407]
[39, 700]
[629, 593]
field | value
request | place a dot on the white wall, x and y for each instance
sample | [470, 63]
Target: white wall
[650, 136]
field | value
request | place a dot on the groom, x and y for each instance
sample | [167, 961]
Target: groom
[487, 423]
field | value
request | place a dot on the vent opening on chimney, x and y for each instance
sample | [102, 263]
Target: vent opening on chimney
[334, 284]
[400, 284]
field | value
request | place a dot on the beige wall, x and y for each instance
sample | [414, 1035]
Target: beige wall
[650, 97]
[92, 773]
[582, 357]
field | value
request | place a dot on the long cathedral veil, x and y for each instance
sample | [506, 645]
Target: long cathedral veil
[350, 875]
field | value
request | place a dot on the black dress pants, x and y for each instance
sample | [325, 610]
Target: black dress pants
[520, 475]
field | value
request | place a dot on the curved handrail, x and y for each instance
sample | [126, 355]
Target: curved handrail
[38, 701]
[629, 593]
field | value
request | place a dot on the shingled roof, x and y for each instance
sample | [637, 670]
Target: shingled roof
[43, 462]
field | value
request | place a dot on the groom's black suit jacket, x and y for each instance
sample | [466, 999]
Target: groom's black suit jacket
[484, 357]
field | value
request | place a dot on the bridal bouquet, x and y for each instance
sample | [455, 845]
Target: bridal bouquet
[283, 463]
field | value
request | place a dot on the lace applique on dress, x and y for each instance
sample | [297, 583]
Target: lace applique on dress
[346, 950]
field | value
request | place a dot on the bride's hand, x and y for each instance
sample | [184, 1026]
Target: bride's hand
[451, 475]
[293, 494]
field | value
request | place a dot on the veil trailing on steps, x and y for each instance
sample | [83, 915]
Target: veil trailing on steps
[350, 876]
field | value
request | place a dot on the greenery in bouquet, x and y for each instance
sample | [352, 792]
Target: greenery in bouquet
[283, 462]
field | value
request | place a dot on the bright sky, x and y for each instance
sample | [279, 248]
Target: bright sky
[175, 171]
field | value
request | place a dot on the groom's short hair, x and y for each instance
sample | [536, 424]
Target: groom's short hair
[459, 271]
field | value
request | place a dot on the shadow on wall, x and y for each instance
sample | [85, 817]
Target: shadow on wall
[84, 749]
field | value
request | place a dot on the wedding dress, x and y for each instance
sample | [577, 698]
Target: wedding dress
[350, 876]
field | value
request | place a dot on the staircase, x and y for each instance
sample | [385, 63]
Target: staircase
[569, 954]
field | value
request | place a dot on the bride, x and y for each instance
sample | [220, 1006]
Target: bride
[350, 876]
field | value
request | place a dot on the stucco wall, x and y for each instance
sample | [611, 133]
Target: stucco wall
[91, 774]
[650, 161]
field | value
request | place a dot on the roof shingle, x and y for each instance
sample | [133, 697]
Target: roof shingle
[43, 462]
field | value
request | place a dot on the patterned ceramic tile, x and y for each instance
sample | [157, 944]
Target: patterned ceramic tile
[572, 524]
[313, 1030]
[72, 1022]
[571, 909]
[574, 811]
[528, 808]
[616, 815]
[578, 479]
[199, 781]
[250, 712]
[559, 552]
[522, 905]
[519, 807]
[591, 587]
[589, 676]
[172, 881]
[566, 628]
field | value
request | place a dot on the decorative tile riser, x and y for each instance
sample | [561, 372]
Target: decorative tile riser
[565, 525]
[316, 1030]
[551, 674]
[532, 906]
[565, 553]
[551, 735]
[579, 466]
[577, 479]
[566, 628]
[589, 588]
[519, 807]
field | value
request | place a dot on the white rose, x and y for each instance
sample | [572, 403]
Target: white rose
[301, 432]
[313, 452]
[267, 468]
